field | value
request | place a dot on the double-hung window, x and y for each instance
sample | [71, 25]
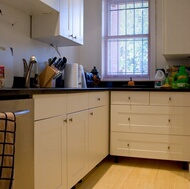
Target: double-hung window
[126, 46]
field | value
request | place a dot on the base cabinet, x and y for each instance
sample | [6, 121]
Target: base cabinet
[70, 137]
[158, 129]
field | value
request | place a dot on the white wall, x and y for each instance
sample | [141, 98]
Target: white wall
[89, 55]
[18, 38]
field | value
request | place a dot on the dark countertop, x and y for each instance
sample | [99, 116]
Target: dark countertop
[16, 93]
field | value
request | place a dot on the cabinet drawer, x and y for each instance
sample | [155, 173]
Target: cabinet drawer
[97, 99]
[150, 146]
[46, 106]
[150, 119]
[138, 98]
[170, 98]
[77, 102]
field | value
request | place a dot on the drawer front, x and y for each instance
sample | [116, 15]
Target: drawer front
[97, 99]
[150, 119]
[137, 98]
[170, 98]
[46, 106]
[77, 102]
[150, 146]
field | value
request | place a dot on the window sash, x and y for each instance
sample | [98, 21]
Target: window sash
[109, 73]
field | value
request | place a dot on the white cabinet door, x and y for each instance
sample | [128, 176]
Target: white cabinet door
[50, 153]
[77, 146]
[176, 27]
[96, 136]
[77, 20]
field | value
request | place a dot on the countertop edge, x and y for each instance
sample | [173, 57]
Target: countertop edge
[29, 92]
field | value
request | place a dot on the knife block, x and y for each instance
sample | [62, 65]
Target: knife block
[46, 77]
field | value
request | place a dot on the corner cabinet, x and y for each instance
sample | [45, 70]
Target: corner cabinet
[154, 126]
[176, 27]
[63, 28]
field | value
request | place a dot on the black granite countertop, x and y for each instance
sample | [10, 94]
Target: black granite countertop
[17, 93]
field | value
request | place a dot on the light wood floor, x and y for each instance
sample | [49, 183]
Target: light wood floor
[134, 173]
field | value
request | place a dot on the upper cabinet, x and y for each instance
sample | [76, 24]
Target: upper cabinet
[176, 27]
[61, 29]
[34, 7]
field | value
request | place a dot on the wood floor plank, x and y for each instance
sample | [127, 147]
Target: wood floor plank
[136, 173]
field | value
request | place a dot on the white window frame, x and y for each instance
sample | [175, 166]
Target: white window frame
[152, 45]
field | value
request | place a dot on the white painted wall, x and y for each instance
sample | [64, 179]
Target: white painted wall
[18, 38]
[89, 55]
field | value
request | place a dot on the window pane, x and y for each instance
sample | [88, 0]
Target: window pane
[128, 56]
[128, 18]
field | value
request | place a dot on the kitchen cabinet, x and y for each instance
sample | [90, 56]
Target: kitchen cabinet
[158, 129]
[61, 29]
[77, 137]
[176, 26]
[98, 128]
[34, 7]
[71, 136]
[50, 142]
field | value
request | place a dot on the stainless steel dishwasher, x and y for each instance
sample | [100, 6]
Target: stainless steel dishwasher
[24, 143]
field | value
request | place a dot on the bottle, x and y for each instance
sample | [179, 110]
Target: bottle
[159, 78]
[181, 79]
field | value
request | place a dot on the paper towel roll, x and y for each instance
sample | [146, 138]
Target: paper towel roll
[71, 76]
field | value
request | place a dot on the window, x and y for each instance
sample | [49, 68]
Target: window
[126, 39]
